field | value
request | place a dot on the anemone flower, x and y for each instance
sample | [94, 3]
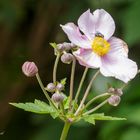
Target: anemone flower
[98, 48]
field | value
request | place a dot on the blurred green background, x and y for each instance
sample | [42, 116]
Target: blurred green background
[26, 28]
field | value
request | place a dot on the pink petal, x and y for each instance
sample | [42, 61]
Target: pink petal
[88, 58]
[86, 23]
[119, 67]
[75, 36]
[118, 46]
[104, 23]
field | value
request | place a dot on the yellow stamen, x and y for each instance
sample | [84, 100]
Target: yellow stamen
[100, 46]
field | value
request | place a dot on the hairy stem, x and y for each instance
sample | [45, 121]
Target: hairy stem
[55, 67]
[44, 91]
[72, 82]
[65, 131]
[97, 107]
[86, 93]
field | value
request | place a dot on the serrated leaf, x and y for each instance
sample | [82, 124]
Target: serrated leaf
[100, 116]
[63, 81]
[54, 45]
[38, 106]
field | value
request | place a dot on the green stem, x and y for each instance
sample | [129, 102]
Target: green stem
[44, 91]
[55, 67]
[65, 131]
[94, 99]
[81, 84]
[72, 82]
[62, 108]
[86, 92]
[97, 107]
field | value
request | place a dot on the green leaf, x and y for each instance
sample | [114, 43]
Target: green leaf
[100, 116]
[89, 119]
[38, 106]
[54, 45]
[63, 81]
[66, 103]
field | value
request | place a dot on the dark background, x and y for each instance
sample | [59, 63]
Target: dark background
[26, 28]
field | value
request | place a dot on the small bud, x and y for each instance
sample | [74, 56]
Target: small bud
[60, 87]
[118, 92]
[73, 46]
[29, 69]
[114, 100]
[67, 58]
[111, 90]
[57, 97]
[64, 46]
[51, 87]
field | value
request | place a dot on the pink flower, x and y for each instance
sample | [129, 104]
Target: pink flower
[98, 48]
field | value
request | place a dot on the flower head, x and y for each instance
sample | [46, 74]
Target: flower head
[98, 48]
[29, 69]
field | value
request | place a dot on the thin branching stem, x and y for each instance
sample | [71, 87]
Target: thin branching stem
[72, 82]
[55, 67]
[44, 91]
[95, 98]
[97, 107]
[86, 92]
[81, 84]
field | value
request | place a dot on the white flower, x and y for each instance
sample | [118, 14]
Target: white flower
[98, 48]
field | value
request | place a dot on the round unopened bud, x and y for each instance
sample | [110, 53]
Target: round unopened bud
[29, 69]
[114, 100]
[57, 97]
[118, 92]
[73, 46]
[67, 58]
[60, 87]
[64, 46]
[111, 90]
[51, 87]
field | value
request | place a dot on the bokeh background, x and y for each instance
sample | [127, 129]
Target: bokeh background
[26, 28]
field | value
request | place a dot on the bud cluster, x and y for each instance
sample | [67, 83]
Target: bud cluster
[115, 98]
[65, 47]
[51, 87]
[115, 91]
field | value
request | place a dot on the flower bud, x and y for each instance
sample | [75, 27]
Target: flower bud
[57, 97]
[64, 46]
[60, 87]
[114, 100]
[118, 92]
[29, 69]
[111, 90]
[67, 58]
[73, 46]
[51, 87]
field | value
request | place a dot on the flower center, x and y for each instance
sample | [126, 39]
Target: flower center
[100, 46]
